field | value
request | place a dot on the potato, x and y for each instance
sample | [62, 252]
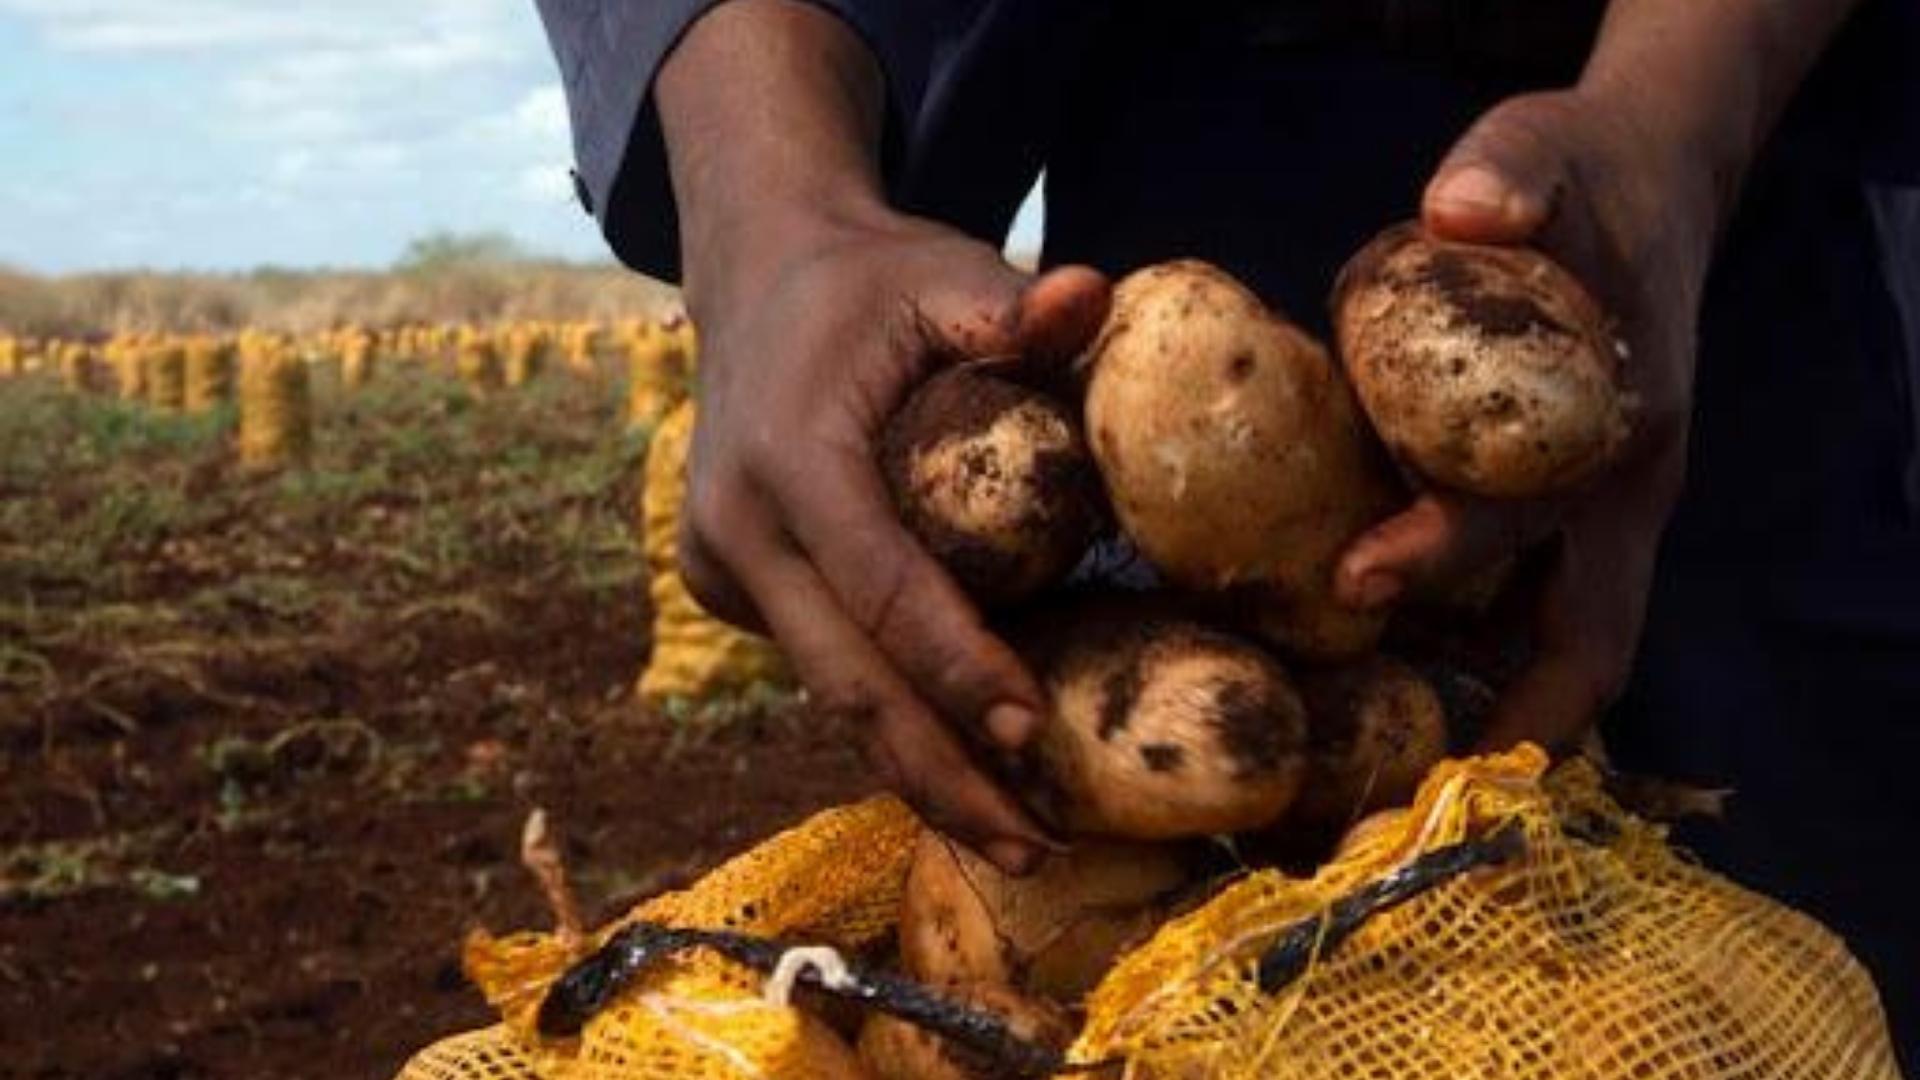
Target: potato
[1376, 728]
[1233, 452]
[893, 1049]
[995, 479]
[1160, 727]
[1486, 369]
[1052, 934]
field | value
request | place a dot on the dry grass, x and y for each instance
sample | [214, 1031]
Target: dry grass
[301, 301]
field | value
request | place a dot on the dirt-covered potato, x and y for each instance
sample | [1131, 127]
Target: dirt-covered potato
[1052, 934]
[1233, 452]
[892, 1049]
[995, 479]
[1486, 369]
[1160, 727]
[1376, 727]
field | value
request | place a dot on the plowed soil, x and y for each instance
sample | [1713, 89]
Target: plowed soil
[267, 742]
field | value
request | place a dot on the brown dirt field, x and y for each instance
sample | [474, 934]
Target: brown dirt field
[266, 744]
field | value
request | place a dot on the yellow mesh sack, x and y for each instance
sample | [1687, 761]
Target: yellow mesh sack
[356, 346]
[75, 361]
[696, 657]
[660, 363]
[209, 373]
[1593, 950]
[129, 374]
[1598, 952]
[276, 407]
[166, 376]
[524, 349]
[834, 879]
[477, 361]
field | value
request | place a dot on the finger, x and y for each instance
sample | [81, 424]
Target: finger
[1500, 182]
[1061, 314]
[1440, 539]
[919, 755]
[993, 311]
[712, 586]
[1587, 622]
[903, 600]
[1553, 702]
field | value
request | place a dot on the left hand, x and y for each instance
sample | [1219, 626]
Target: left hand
[1633, 217]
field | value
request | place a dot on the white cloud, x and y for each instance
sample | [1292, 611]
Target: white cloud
[545, 184]
[315, 123]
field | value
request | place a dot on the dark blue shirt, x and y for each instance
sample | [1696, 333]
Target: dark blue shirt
[974, 87]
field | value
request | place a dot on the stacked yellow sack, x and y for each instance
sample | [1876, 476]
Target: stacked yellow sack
[660, 364]
[74, 359]
[165, 363]
[355, 344]
[580, 347]
[696, 657]
[523, 348]
[276, 412]
[477, 360]
[209, 372]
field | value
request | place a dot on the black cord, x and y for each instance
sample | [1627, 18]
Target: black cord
[1320, 935]
[591, 984]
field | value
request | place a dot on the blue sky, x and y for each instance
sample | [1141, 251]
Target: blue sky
[231, 133]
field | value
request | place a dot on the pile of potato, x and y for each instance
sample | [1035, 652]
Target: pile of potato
[1239, 459]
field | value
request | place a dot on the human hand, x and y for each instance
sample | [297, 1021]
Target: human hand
[1634, 217]
[810, 339]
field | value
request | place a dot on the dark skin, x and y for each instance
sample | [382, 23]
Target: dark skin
[820, 307]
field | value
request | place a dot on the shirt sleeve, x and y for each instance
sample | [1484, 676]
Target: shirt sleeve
[609, 52]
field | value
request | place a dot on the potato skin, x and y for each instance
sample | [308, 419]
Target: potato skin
[1161, 728]
[1052, 934]
[1486, 369]
[995, 480]
[1376, 727]
[1234, 453]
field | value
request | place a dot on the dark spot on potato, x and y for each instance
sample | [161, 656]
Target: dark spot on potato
[1163, 757]
[1251, 725]
[1241, 367]
[1466, 287]
[978, 464]
[1118, 693]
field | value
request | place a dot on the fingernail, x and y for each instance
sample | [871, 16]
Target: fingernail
[1377, 589]
[1472, 187]
[1010, 726]
[1016, 857]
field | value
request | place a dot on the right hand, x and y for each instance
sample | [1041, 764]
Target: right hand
[810, 339]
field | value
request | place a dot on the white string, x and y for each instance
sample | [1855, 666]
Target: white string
[823, 961]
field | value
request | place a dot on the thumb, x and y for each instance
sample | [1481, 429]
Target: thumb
[1061, 313]
[995, 312]
[1500, 182]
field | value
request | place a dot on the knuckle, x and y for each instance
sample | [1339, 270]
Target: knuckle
[706, 522]
[875, 601]
[852, 701]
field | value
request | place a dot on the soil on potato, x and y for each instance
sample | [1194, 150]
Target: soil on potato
[267, 742]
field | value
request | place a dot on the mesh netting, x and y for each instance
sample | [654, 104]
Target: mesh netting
[1595, 950]
[835, 879]
[1603, 956]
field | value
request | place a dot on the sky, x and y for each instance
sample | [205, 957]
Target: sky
[226, 134]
